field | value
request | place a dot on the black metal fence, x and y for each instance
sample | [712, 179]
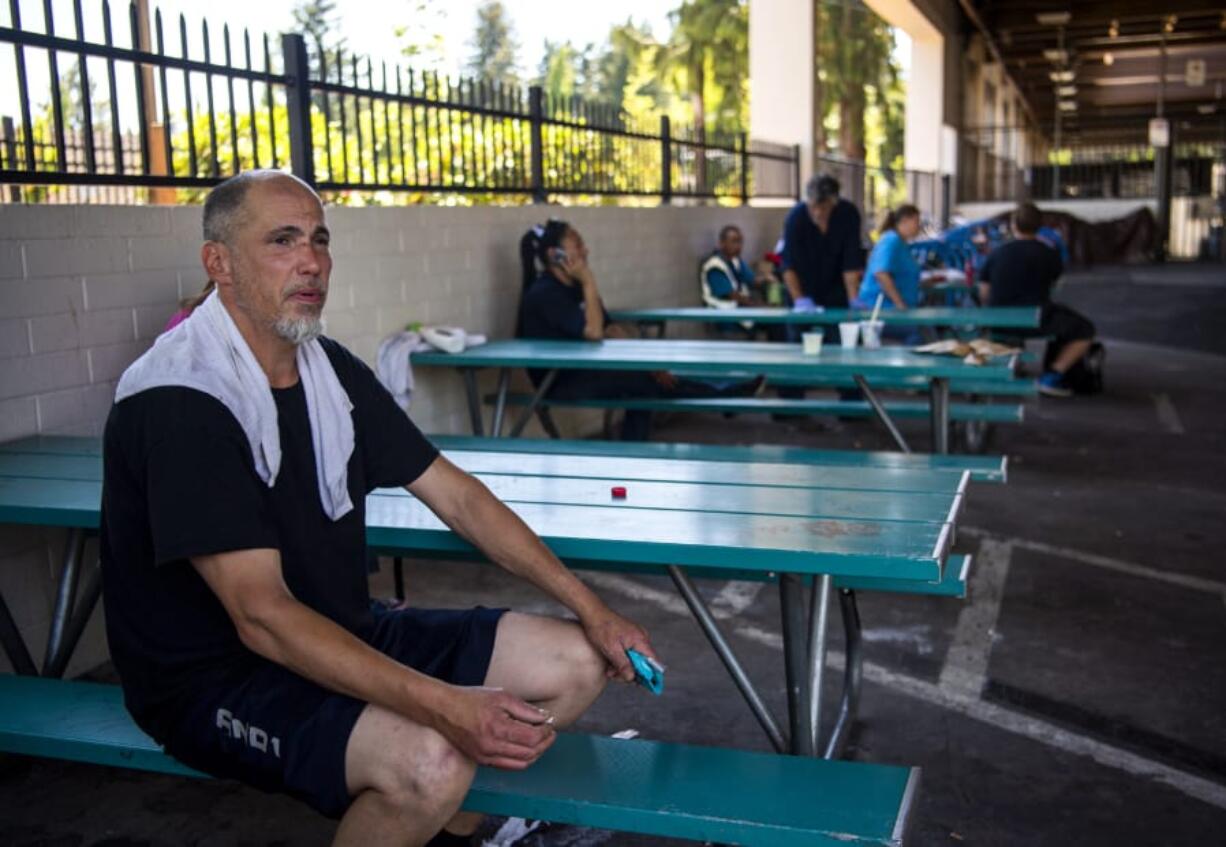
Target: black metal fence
[161, 113]
[875, 191]
[1013, 163]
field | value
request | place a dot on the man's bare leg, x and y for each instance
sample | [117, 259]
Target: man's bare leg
[407, 780]
[1071, 354]
[548, 662]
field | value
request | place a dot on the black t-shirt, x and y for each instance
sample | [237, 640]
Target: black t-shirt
[820, 258]
[179, 481]
[1021, 273]
[553, 309]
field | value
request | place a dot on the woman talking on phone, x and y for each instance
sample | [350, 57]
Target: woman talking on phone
[562, 301]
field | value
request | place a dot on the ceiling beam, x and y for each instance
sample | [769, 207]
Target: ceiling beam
[1018, 16]
[968, 9]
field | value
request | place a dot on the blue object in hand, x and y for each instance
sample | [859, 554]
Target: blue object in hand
[647, 671]
[804, 304]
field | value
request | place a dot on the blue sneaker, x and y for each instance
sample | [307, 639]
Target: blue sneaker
[1052, 384]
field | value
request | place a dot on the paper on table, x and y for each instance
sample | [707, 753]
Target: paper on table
[974, 352]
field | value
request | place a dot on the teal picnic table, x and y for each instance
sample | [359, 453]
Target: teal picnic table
[991, 317]
[684, 357]
[834, 528]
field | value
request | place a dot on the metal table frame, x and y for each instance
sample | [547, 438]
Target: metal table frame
[68, 620]
[804, 628]
[538, 406]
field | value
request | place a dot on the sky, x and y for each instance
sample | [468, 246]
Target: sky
[367, 26]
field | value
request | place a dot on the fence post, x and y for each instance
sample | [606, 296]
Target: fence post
[10, 156]
[744, 169]
[298, 106]
[666, 159]
[946, 200]
[796, 171]
[536, 114]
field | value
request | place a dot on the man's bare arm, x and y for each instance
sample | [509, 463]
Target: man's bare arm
[792, 280]
[468, 507]
[851, 282]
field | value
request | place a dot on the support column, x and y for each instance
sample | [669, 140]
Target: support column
[781, 73]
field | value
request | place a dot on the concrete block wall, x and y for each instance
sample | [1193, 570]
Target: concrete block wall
[84, 290]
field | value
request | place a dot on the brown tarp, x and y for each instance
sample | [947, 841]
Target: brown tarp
[1131, 239]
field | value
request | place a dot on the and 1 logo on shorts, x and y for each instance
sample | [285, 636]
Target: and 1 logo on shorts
[252, 736]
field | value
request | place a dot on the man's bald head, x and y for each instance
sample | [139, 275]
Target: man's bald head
[224, 207]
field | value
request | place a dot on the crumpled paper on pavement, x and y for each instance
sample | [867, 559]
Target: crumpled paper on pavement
[974, 352]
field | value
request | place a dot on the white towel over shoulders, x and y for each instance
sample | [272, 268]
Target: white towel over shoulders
[207, 353]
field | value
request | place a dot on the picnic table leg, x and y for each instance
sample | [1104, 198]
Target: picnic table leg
[76, 624]
[534, 403]
[940, 415]
[500, 402]
[474, 400]
[14, 647]
[819, 619]
[853, 667]
[706, 622]
[792, 609]
[882, 414]
[65, 595]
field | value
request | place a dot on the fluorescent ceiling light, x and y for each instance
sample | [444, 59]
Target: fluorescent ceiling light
[1066, 90]
[1053, 18]
[1067, 105]
[1206, 108]
[1056, 57]
[1061, 76]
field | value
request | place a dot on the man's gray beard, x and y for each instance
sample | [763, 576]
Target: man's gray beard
[298, 331]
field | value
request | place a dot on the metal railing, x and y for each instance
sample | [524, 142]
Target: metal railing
[875, 191]
[166, 114]
[1012, 163]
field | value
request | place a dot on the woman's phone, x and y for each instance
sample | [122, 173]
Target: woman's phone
[560, 257]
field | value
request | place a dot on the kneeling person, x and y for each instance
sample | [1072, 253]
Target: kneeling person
[238, 457]
[1023, 272]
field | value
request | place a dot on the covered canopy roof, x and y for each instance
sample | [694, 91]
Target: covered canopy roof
[1105, 57]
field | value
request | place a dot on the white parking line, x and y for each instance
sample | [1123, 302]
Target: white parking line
[966, 664]
[957, 700]
[737, 595]
[1167, 416]
[1195, 583]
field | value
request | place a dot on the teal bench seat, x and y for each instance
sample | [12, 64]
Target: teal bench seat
[986, 388]
[654, 788]
[981, 468]
[984, 412]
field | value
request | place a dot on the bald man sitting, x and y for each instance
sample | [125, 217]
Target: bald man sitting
[238, 456]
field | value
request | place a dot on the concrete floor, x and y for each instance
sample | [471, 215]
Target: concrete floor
[1078, 698]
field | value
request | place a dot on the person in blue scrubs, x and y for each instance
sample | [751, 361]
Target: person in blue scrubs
[892, 271]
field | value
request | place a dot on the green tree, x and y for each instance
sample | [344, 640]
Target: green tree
[422, 42]
[318, 22]
[493, 45]
[707, 60]
[856, 63]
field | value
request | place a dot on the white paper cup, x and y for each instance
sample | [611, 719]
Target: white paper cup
[849, 333]
[870, 333]
[812, 342]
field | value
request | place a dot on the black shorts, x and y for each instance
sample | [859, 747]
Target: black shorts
[1062, 324]
[279, 732]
